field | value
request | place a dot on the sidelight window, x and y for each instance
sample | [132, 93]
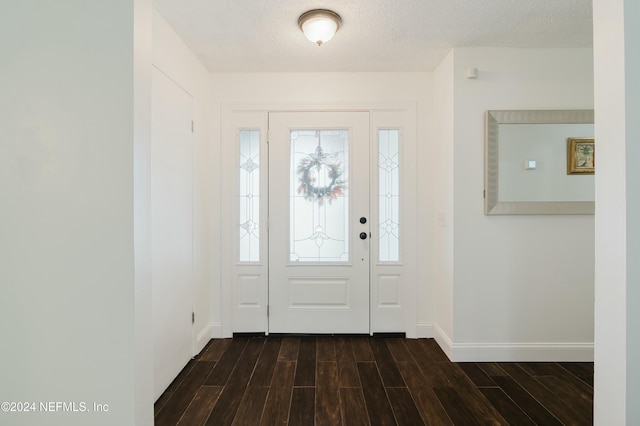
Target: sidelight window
[249, 202]
[389, 194]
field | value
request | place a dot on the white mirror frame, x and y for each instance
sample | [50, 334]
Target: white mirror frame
[492, 203]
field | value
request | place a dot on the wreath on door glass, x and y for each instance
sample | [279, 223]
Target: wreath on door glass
[318, 168]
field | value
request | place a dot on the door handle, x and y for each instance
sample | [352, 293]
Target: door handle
[363, 235]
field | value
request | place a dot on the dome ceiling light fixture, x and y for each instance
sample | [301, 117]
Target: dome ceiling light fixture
[319, 25]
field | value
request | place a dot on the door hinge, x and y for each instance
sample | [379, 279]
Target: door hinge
[484, 194]
[193, 317]
[192, 126]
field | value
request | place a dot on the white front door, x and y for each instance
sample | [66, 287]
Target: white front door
[319, 246]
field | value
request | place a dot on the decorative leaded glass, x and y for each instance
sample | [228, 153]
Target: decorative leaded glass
[389, 194]
[319, 203]
[249, 203]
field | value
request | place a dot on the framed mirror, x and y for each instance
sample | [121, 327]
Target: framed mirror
[539, 162]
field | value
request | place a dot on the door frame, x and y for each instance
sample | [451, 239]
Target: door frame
[393, 303]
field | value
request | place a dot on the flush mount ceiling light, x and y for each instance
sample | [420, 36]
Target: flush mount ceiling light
[319, 25]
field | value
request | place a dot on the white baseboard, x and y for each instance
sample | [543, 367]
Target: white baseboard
[523, 352]
[506, 352]
[216, 330]
[431, 330]
[425, 330]
[210, 331]
[444, 341]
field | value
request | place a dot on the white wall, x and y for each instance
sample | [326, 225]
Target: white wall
[617, 108]
[72, 115]
[523, 285]
[632, 154]
[440, 157]
[179, 63]
[142, 42]
[269, 91]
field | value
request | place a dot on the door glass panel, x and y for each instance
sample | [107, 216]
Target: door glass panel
[389, 194]
[249, 208]
[319, 200]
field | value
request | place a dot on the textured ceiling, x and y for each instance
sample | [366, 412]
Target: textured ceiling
[377, 35]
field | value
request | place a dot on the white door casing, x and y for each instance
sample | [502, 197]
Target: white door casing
[318, 191]
[171, 229]
[393, 290]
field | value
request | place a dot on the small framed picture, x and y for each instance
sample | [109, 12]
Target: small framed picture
[581, 156]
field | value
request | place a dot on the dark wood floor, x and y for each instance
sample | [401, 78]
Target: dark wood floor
[368, 381]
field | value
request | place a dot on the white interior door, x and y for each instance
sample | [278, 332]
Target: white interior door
[319, 244]
[171, 229]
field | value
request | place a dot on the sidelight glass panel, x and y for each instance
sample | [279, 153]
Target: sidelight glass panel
[389, 194]
[249, 200]
[318, 193]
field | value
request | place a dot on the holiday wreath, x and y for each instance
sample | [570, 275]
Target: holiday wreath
[310, 172]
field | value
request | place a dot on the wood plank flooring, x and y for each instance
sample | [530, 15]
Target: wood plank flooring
[355, 381]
